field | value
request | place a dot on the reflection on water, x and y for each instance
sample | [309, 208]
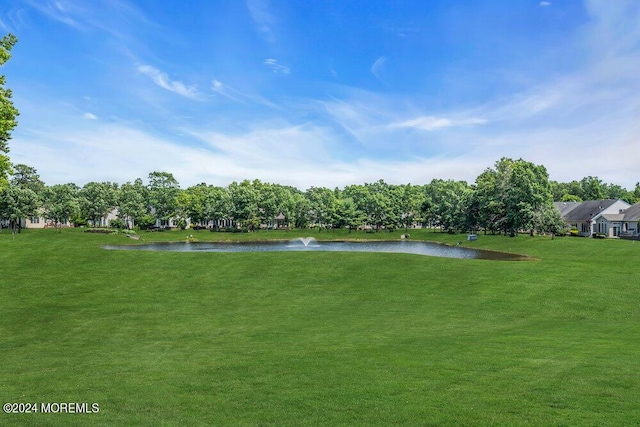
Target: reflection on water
[300, 245]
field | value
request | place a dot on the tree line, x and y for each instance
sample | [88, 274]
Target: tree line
[511, 197]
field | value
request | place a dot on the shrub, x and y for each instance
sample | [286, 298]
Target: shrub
[116, 223]
[99, 230]
[145, 222]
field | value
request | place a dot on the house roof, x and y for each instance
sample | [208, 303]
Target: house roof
[613, 217]
[585, 211]
[632, 213]
[566, 207]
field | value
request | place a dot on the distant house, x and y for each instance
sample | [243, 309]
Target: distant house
[623, 223]
[594, 216]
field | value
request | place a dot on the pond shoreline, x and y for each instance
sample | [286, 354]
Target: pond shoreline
[415, 247]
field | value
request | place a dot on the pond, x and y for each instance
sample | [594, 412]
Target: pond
[310, 244]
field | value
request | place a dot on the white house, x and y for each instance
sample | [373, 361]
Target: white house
[623, 223]
[594, 216]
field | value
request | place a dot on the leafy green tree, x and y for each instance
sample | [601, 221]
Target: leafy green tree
[572, 191]
[348, 214]
[163, 191]
[408, 199]
[17, 203]
[591, 188]
[22, 198]
[300, 210]
[448, 203]
[8, 111]
[218, 204]
[322, 206]
[61, 202]
[245, 209]
[97, 199]
[526, 192]
[615, 191]
[24, 176]
[286, 203]
[488, 202]
[267, 200]
[132, 203]
[202, 203]
[381, 208]
[570, 198]
[376, 202]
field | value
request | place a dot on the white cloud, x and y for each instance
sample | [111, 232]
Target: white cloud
[576, 123]
[221, 89]
[89, 116]
[377, 68]
[163, 80]
[275, 66]
[264, 19]
[431, 123]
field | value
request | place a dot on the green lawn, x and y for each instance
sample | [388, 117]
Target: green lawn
[320, 338]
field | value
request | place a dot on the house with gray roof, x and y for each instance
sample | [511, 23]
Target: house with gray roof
[582, 216]
[622, 224]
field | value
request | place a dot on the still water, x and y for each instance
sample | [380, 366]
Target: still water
[310, 245]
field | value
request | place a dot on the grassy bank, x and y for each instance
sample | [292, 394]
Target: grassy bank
[318, 337]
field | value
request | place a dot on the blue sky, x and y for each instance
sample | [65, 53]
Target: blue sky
[324, 93]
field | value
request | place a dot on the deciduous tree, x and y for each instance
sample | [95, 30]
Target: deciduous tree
[8, 112]
[97, 199]
[163, 191]
[61, 202]
[17, 203]
[132, 202]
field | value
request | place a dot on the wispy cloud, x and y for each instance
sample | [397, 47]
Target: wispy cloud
[89, 116]
[275, 66]
[226, 91]
[431, 123]
[545, 3]
[163, 80]
[377, 68]
[222, 89]
[119, 18]
[262, 16]
[61, 11]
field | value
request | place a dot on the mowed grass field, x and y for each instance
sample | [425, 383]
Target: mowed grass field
[320, 338]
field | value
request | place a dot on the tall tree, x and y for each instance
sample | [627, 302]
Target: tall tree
[245, 204]
[163, 191]
[24, 176]
[218, 204]
[22, 198]
[300, 210]
[322, 206]
[591, 188]
[515, 195]
[17, 203]
[61, 203]
[8, 112]
[409, 199]
[132, 202]
[97, 199]
[348, 214]
[448, 203]
[489, 201]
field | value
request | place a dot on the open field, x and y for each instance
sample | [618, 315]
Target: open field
[160, 338]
